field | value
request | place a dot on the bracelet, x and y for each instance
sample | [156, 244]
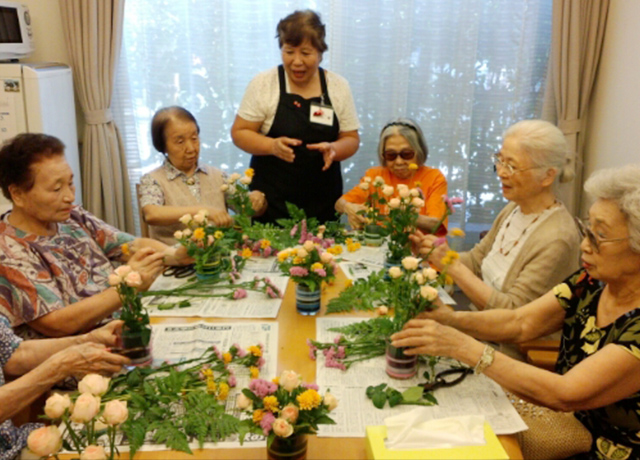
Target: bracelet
[486, 360]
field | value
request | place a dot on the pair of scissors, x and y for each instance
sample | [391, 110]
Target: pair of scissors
[182, 271]
[447, 378]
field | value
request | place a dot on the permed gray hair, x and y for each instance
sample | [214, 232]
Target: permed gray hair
[622, 186]
[411, 131]
[546, 145]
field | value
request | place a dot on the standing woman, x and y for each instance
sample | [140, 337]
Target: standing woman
[298, 121]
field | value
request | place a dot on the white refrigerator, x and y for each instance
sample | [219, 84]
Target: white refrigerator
[38, 98]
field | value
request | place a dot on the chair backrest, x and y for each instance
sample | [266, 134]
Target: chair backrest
[144, 227]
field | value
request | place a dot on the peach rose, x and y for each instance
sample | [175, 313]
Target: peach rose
[86, 408]
[114, 279]
[45, 441]
[394, 203]
[419, 277]
[429, 293]
[115, 412]
[290, 413]
[364, 185]
[224, 187]
[246, 180]
[395, 272]
[378, 181]
[184, 220]
[387, 190]
[234, 177]
[56, 405]
[308, 245]
[326, 257]
[178, 234]
[415, 192]
[93, 453]
[429, 273]
[123, 270]
[94, 383]
[302, 253]
[199, 218]
[410, 263]
[282, 428]
[242, 402]
[383, 310]
[290, 380]
[417, 202]
[133, 279]
[330, 401]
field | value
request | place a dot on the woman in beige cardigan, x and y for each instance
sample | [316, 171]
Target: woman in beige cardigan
[533, 244]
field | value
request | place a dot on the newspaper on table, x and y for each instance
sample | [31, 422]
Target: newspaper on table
[176, 343]
[255, 305]
[476, 394]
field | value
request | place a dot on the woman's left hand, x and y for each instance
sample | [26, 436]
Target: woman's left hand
[327, 150]
[258, 201]
[428, 337]
[107, 334]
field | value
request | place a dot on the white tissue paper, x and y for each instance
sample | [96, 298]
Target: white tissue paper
[417, 430]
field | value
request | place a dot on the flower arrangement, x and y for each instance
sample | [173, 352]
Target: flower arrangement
[85, 408]
[402, 221]
[205, 243]
[376, 203]
[284, 408]
[237, 192]
[308, 265]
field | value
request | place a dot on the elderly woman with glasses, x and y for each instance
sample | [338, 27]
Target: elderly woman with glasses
[532, 244]
[598, 311]
[402, 152]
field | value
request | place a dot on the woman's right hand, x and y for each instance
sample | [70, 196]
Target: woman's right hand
[149, 263]
[356, 220]
[281, 148]
[220, 217]
[88, 358]
[424, 244]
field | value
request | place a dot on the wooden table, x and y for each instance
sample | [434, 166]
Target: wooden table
[293, 354]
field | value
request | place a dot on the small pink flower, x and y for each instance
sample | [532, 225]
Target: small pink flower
[267, 421]
[239, 294]
[232, 381]
[321, 272]
[133, 279]
[439, 241]
[298, 271]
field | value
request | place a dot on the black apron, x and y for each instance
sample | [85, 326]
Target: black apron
[302, 182]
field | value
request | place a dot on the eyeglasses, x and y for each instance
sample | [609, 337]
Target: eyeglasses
[594, 241]
[498, 162]
[406, 154]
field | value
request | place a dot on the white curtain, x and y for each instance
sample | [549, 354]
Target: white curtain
[465, 69]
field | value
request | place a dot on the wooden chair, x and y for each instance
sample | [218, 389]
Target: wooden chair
[541, 353]
[144, 226]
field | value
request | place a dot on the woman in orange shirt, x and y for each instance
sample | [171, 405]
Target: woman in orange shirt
[401, 145]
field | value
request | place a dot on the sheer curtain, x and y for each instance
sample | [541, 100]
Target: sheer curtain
[464, 69]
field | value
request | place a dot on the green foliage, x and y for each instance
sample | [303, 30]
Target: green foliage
[363, 294]
[383, 394]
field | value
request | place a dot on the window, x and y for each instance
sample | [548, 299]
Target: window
[464, 69]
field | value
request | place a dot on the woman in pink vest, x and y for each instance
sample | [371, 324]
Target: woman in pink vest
[181, 185]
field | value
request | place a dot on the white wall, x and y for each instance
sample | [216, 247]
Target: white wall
[613, 129]
[47, 31]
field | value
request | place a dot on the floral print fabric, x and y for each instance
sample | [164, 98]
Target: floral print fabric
[41, 274]
[616, 427]
[12, 439]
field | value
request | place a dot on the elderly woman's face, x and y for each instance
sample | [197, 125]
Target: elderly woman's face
[51, 197]
[300, 62]
[398, 155]
[613, 258]
[523, 184]
[183, 144]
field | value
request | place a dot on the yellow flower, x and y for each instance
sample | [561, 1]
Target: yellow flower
[453, 255]
[255, 350]
[226, 357]
[446, 260]
[264, 244]
[246, 253]
[457, 232]
[271, 403]
[335, 250]
[218, 234]
[282, 256]
[257, 415]
[211, 386]
[413, 167]
[254, 372]
[125, 249]
[448, 279]
[348, 241]
[276, 380]
[353, 246]
[417, 184]
[207, 373]
[316, 266]
[298, 260]
[249, 172]
[223, 391]
[348, 283]
[308, 400]
[198, 233]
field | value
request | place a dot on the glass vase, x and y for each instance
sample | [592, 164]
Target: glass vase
[292, 448]
[307, 301]
[207, 269]
[136, 345]
[373, 235]
[400, 366]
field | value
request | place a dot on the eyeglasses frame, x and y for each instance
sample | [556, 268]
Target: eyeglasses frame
[595, 242]
[511, 170]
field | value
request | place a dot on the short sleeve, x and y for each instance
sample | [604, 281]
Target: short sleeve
[109, 238]
[8, 341]
[254, 102]
[151, 192]
[342, 101]
[571, 291]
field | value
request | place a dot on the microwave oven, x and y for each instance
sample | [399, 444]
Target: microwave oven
[16, 36]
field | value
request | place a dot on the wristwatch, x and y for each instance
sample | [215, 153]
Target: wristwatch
[486, 360]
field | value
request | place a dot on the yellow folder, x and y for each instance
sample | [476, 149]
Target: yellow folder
[376, 450]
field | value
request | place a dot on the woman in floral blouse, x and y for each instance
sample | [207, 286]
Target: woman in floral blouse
[55, 258]
[597, 309]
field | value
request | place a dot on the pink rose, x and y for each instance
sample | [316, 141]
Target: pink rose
[45, 441]
[115, 412]
[133, 279]
[86, 408]
[114, 279]
[290, 413]
[289, 380]
[282, 428]
[94, 383]
[330, 401]
[56, 405]
[242, 402]
[93, 453]
[123, 270]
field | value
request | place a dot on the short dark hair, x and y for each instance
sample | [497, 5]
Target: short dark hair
[20, 153]
[300, 26]
[159, 124]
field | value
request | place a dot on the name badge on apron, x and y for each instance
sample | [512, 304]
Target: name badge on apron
[321, 114]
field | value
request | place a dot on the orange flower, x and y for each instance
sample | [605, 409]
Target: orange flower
[257, 415]
[226, 357]
[125, 249]
[246, 253]
[198, 233]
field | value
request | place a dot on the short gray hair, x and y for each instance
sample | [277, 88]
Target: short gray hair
[622, 186]
[546, 145]
[411, 131]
